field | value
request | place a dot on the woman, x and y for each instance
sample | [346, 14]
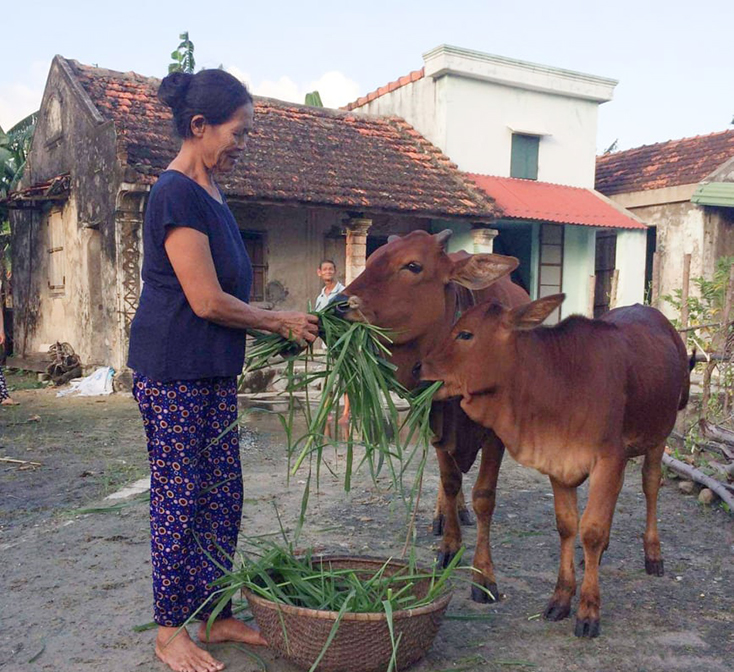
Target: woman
[5, 398]
[187, 345]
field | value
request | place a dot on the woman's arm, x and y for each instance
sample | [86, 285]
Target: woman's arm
[191, 258]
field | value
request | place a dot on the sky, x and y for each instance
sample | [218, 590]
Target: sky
[672, 59]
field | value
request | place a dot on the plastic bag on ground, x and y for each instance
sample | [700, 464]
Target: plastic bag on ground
[94, 385]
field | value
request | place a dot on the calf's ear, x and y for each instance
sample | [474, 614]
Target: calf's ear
[530, 315]
[478, 271]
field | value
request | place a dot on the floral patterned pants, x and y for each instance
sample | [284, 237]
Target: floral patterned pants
[4, 394]
[195, 490]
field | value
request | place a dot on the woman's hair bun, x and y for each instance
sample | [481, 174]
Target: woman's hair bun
[173, 88]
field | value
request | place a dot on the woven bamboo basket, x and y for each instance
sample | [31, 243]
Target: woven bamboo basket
[362, 641]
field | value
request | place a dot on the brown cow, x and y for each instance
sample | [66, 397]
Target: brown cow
[413, 288]
[573, 401]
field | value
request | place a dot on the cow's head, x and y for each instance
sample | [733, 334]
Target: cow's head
[403, 287]
[478, 357]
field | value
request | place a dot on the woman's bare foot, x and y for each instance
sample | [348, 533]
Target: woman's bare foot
[9, 402]
[231, 630]
[181, 654]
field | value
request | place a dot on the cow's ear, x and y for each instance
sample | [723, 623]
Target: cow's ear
[530, 315]
[481, 270]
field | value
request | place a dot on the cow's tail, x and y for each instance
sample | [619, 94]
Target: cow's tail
[685, 393]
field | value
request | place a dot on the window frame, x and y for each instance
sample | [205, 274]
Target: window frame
[55, 248]
[524, 166]
[259, 269]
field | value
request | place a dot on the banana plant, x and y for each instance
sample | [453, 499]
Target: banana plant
[14, 147]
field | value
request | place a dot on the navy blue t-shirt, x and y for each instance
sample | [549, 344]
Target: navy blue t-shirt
[167, 339]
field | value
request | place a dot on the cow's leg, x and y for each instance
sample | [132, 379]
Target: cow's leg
[567, 522]
[596, 523]
[439, 516]
[483, 499]
[451, 485]
[465, 517]
[651, 470]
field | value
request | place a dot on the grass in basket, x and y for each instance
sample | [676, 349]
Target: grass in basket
[279, 573]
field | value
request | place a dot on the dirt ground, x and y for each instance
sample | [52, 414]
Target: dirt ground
[73, 587]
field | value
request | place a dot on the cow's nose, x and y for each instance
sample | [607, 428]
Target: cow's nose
[417, 371]
[341, 307]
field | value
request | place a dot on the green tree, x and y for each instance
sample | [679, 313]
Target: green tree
[183, 56]
[14, 148]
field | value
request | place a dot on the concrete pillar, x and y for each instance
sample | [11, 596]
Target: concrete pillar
[483, 239]
[356, 253]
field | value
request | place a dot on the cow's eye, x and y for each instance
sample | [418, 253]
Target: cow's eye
[414, 267]
[464, 336]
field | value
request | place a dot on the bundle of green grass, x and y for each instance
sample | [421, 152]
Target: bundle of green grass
[356, 365]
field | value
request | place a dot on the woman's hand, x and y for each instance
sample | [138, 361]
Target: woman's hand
[297, 326]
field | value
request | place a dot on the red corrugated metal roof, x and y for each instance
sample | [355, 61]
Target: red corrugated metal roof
[546, 202]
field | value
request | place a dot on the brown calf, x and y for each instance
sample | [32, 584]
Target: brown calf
[574, 401]
[412, 287]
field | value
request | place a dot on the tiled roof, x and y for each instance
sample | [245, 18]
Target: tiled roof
[546, 202]
[412, 77]
[665, 164]
[298, 154]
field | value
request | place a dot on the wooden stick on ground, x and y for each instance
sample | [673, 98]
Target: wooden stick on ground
[719, 343]
[695, 475]
[25, 462]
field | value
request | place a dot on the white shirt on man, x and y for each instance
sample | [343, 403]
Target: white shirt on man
[325, 298]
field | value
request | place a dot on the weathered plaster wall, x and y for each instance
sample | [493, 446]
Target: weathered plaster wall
[70, 138]
[680, 231]
[297, 239]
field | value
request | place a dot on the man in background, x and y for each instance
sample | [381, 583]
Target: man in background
[327, 272]
[332, 287]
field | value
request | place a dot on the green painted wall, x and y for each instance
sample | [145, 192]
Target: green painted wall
[579, 253]
[460, 240]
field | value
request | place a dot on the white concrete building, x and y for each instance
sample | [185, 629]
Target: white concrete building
[503, 118]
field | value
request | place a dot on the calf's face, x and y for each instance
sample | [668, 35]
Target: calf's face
[403, 286]
[479, 355]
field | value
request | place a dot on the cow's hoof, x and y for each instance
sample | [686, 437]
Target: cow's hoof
[557, 611]
[654, 567]
[438, 522]
[444, 559]
[587, 628]
[465, 518]
[482, 594]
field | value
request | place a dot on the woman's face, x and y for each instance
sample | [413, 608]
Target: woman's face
[223, 144]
